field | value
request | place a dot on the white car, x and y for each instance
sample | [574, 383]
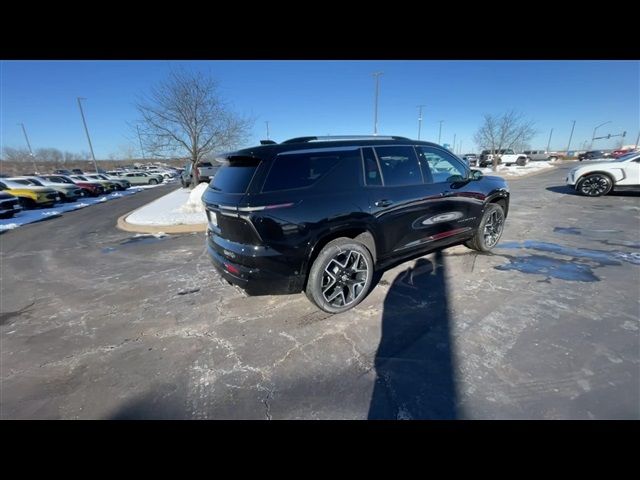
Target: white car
[596, 179]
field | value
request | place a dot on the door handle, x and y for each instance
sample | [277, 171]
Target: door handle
[383, 203]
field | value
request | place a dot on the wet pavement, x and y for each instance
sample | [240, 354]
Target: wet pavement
[100, 323]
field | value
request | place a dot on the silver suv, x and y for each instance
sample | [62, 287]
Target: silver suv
[540, 155]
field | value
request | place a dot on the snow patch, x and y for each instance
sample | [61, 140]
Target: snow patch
[194, 202]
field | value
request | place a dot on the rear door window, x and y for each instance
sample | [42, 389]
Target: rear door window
[399, 166]
[235, 175]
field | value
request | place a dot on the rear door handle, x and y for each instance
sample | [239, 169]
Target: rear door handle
[383, 203]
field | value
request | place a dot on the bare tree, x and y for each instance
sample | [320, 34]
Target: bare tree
[185, 116]
[16, 154]
[49, 155]
[502, 132]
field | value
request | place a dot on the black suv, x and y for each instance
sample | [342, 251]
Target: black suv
[593, 154]
[321, 214]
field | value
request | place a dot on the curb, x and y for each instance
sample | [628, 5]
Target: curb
[122, 224]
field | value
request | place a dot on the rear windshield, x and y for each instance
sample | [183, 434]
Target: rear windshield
[234, 176]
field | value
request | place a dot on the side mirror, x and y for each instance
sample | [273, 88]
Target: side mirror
[475, 175]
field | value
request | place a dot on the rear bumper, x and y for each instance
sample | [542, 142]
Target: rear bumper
[260, 273]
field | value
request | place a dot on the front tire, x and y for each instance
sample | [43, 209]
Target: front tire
[489, 231]
[340, 276]
[594, 185]
[153, 181]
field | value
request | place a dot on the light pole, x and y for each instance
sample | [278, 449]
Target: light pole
[140, 139]
[267, 122]
[571, 136]
[440, 131]
[33, 158]
[375, 110]
[549, 142]
[594, 133]
[420, 119]
[84, 122]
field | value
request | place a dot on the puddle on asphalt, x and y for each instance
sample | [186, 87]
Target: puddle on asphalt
[579, 267]
[137, 240]
[550, 267]
[568, 230]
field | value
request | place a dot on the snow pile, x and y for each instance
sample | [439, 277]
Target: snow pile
[194, 202]
[168, 210]
[516, 170]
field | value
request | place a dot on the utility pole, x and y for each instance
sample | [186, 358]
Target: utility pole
[440, 131]
[140, 139]
[375, 111]
[33, 158]
[549, 142]
[594, 134]
[87, 132]
[571, 136]
[267, 122]
[420, 119]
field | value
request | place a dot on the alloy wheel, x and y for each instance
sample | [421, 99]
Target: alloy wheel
[493, 228]
[344, 278]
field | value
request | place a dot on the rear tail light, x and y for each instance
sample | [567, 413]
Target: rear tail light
[232, 269]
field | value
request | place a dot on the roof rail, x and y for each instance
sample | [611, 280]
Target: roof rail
[267, 142]
[330, 138]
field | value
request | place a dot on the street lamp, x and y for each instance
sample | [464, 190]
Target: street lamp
[420, 119]
[375, 112]
[594, 133]
[84, 122]
[440, 131]
[33, 158]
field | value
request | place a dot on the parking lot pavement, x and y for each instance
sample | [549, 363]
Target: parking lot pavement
[99, 323]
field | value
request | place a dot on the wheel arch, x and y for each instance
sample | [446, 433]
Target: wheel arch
[361, 233]
[609, 175]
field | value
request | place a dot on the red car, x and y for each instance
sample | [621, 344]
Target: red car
[92, 189]
[619, 153]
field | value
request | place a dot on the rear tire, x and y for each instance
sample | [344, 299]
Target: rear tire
[153, 181]
[489, 230]
[340, 276]
[553, 159]
[521, 162]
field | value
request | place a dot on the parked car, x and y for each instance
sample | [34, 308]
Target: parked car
[594, 154]
[596, 179]
[622, 151]
[9, 205]
[541, 155]
[68, 193]
[206, 171]
[77, 171]
[92, 189]
[107, 185]
[30, 196]
[120, 183]
[140, 178]
[62, 171]
[322, 214]
[505, 156]
[471, 159]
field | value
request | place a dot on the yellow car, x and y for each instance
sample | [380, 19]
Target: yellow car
[30, 196]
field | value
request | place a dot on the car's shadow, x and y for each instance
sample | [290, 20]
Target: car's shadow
[567, 190]
[414, 362]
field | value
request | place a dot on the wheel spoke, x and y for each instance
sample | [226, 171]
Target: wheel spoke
[344, 278]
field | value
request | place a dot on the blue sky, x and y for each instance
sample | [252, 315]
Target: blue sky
[328, 97]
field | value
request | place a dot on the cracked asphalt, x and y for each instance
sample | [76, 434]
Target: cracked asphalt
[98, 323]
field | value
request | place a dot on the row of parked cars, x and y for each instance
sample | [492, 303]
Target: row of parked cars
[508, 156]
[45, 190]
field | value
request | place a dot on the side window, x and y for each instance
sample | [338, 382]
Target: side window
[443, 166]
[399, 166]
[371, 171]
[299, 170]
